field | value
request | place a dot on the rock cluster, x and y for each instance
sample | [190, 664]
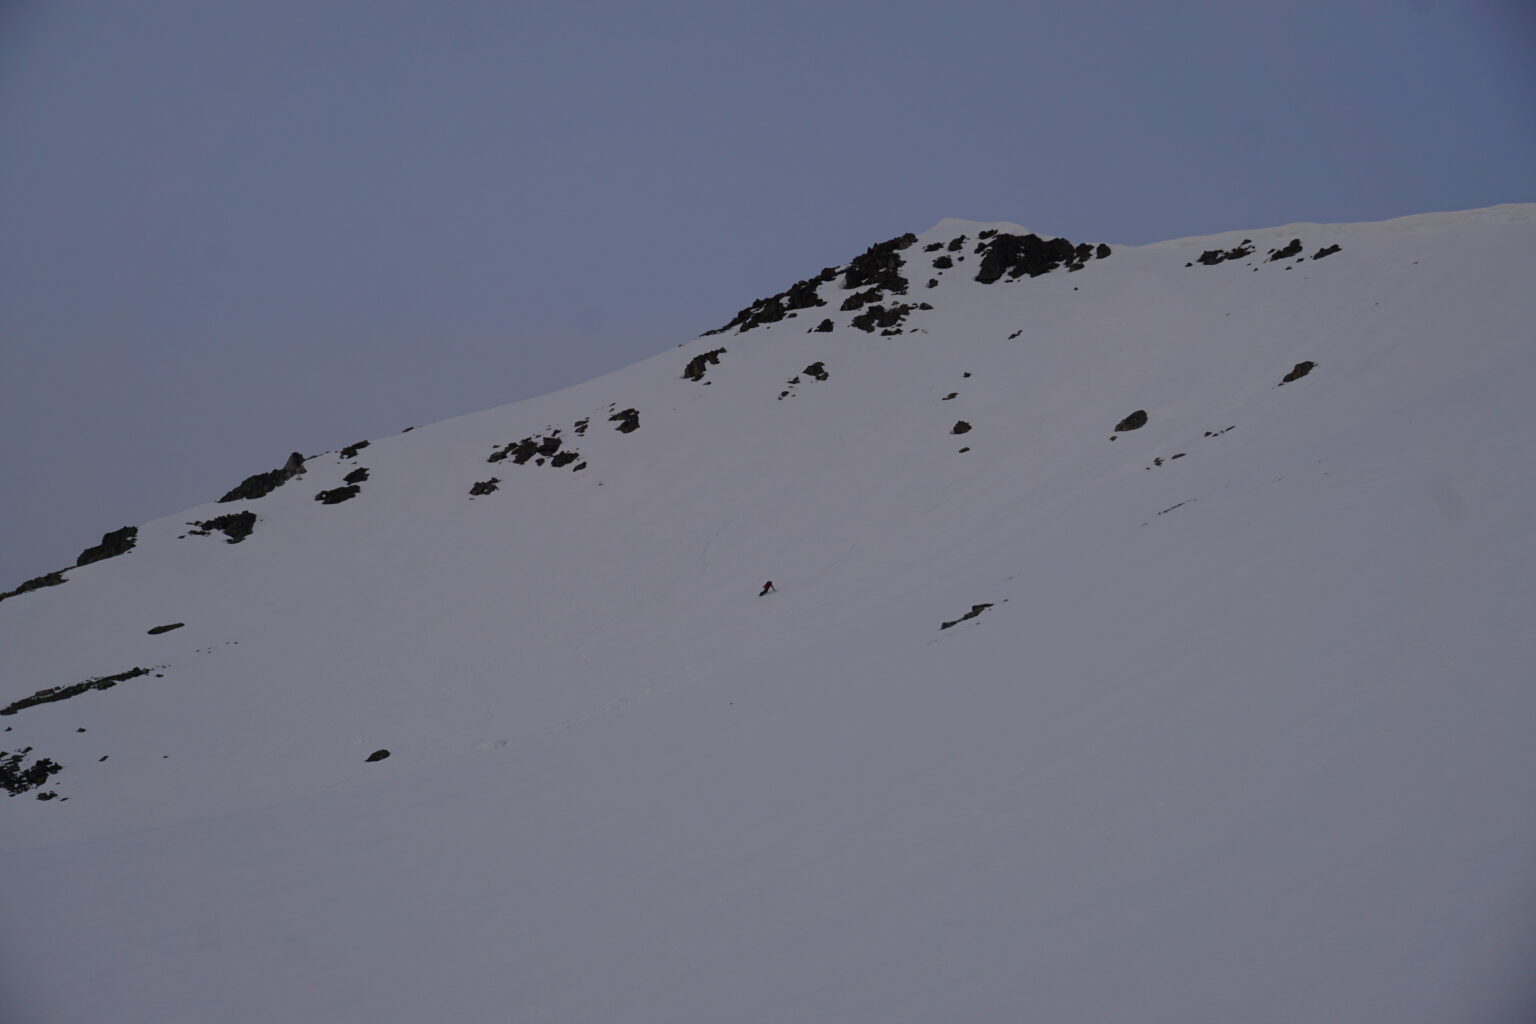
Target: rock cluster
[57, 693]
[236, 526]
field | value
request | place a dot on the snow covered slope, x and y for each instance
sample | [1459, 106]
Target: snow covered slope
[1240, 728]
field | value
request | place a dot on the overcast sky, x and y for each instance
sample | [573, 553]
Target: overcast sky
[233, 230]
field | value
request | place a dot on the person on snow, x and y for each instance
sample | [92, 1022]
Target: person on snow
[767, 587]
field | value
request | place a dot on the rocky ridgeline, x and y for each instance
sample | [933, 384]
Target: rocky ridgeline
[262, 484]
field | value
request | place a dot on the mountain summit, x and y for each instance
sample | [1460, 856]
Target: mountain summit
[1150, 641]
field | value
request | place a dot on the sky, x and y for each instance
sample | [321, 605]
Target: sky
[232, 231]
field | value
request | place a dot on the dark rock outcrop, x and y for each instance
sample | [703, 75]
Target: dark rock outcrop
[52, 579]
[824, 327]
[628, 420]
[485, 487]
[879, 266]
[816, 371]
[16, 776]
[157, 630]
[1211, 257]
[112, 544]
[960, 427]
[1290, 250]
[976, 609]
[1031, 255]
[57, 693]
[1135, 421]
[357, 476]
[1301, 370]
[1325, 252]
[337, 495]
[351, 450]
[698, 364]
[236, 526]
[263, 484]
[377, 755]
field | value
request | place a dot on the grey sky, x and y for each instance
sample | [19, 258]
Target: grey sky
[233, 230]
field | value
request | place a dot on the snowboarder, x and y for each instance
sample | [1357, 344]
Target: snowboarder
[767, 587]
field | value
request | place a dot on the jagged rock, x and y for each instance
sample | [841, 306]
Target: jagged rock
[565, 458]
[824, 327]
[581, 425]
[1135, 421]
[952, 394]
[377, 755]
[956, 244]
[112, 544]
[17, 777]
[549, 446]
[1325, 252]
[236, 526]
[943, 263]
[1102, 251]
[880, 316]
[800, 295]
[351, 450]
[694, 371]
[484, 487]
[858, 299]
[960, 427]
[933, 282]
[1301, 370]
[1290, 250]
[976, 609]
[628, 420]
[357, 476]
[337, 495]
[879, 266]
[263, 484]
[1018, 255]
[1211, 257]
[58, 693]
[816, 371]
[933, 247]
[157, 630]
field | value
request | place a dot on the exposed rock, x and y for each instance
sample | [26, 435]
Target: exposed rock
[880, 316]
[694, 371]
[960, 427]
[1325, 252]
[956, 244]
[377, 755]
[628, 420]
[485, 487]
[1290, 250]
[1301, 370]
[933, 247]
[351, 450]
[976, 609]
[157, 630]
[357, 476]
[581, 425]
[943, 263]
[565, 458]
[337, 495]
[263, 484]
[1135, 421]
[824, 327]
[1211, 257]
[18, 777]
[800, 295]
[236, 526]
[1102, 251]
[879, 266]
[112, 544]
[952, 394]
[57, 693]
[858, 299]
[816, 371]
[52, 579]
[1019, 255]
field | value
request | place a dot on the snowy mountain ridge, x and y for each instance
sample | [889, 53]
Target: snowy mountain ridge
[1150, 641]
